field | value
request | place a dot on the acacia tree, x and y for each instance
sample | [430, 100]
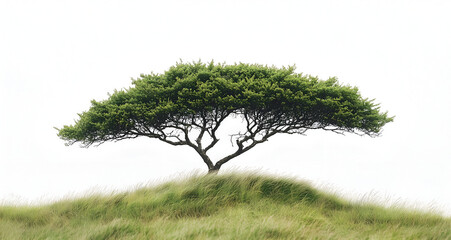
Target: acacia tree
[188, 103]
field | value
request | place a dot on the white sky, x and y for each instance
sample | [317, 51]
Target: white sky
[56, 56]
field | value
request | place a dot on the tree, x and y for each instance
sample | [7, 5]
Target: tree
[188, 103]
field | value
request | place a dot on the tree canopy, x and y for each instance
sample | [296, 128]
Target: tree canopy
[187, 104]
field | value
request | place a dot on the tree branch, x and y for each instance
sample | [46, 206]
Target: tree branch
[241, 149]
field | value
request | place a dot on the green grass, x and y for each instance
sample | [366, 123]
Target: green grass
[233, 206]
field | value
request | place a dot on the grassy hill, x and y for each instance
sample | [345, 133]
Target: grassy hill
[219, 207]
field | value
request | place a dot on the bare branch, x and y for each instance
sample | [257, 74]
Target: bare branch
[241, 149]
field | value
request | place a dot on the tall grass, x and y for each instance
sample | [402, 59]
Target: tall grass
[219, 207]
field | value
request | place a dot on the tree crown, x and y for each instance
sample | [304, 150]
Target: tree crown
[199, 96]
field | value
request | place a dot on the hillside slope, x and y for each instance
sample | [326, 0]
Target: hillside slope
[219, 207]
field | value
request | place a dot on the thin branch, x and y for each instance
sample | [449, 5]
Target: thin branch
[241, 149]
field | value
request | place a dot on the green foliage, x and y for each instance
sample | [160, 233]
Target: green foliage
[219, 207]
[193, 90]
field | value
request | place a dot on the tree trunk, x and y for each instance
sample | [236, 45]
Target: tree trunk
[213, 170]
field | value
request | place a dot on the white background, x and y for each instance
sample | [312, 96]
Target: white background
[56, 56]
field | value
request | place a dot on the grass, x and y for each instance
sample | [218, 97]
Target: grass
[233, 206]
